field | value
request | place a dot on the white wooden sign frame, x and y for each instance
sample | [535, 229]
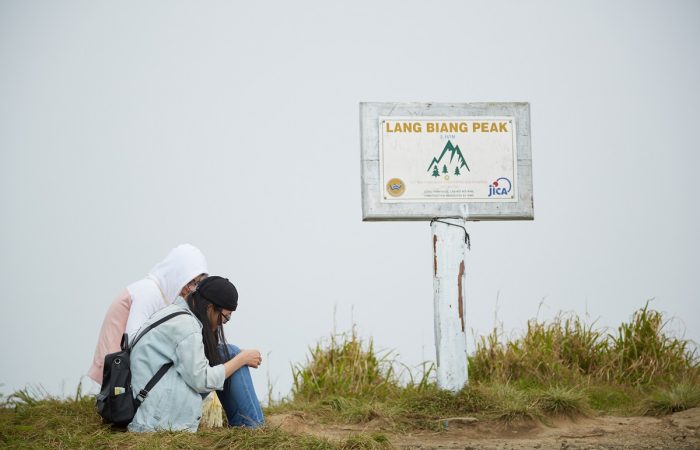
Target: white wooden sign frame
[374, 209]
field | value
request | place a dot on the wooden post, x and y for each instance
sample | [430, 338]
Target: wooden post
[449, 293]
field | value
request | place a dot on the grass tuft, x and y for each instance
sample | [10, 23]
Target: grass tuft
[28, 396]
[641, 352]
[570, 351]
[352, 410]
[508, 404]
[345, 367]
[678, 397]
[367, 441]
[563, 401]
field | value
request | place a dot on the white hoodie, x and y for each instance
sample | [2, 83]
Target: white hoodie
[163, 284]
[140, 300]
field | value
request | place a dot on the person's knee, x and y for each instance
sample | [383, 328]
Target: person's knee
[242, 375]
[232, 350]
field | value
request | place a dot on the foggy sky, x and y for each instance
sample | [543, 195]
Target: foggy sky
[127, 128]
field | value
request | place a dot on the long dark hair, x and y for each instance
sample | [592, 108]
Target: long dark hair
[215, 347]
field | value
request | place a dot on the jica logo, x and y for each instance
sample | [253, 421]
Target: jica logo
[501, 186]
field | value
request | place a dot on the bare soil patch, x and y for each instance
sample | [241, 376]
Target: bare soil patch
[677, 431]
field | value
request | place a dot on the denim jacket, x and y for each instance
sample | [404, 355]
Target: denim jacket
[175, 402]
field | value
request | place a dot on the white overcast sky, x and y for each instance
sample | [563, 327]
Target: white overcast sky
[129, 127]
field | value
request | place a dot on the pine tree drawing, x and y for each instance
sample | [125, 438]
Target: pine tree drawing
[457, 172]
[453, 152]
[436, 173]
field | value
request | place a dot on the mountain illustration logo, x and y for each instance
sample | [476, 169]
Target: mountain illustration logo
[455, 164]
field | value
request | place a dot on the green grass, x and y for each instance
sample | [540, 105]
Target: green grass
[563, 401]
[614, 398]
[51, 423]
[344, 367]
[564, 368]
[674, 398]
[569, 350]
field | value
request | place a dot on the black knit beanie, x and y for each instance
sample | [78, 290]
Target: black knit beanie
[219, 291]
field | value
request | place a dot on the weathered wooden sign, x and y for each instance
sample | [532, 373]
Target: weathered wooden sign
[448, 163]
[424, 160]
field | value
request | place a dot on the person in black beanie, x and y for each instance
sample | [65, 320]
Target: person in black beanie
[202, 362]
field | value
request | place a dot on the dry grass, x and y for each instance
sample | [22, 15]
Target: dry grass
[563, 368]
[343, 367]
[50, 423]
[570, 351]
[674, 398]
[563, 401]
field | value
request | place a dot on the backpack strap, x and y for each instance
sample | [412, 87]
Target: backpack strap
[143, 393]
[125, 342]
[155, 324]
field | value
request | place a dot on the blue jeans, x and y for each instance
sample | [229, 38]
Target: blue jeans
[238, 397]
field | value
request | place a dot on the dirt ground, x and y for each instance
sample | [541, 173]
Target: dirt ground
[677, 431]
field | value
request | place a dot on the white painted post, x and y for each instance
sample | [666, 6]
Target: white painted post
[449, 293]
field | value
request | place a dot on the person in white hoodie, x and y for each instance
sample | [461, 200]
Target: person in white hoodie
[177, 275]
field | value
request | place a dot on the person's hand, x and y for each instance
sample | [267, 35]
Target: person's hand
[251, 357]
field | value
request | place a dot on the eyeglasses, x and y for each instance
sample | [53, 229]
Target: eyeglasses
[225, 318]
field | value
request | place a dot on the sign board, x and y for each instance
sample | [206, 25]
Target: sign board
[468, 160]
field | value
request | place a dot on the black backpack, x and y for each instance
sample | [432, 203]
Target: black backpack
[115, 402]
